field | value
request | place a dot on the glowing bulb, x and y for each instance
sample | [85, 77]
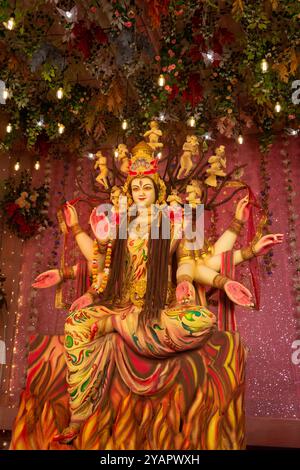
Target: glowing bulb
[5, 93]
[90, 156]
[61, 128]
[40, 123]
[162, 116]
[17, 166]
[240, 139]
[264, 65]
[277, 107]
[207, 136]
[9, 128]
[37, 165]
[192, 121]
[69, 14]
[159, 155]
[124, 124]
[60, 93]
[11, 23]
[161, 80]
[210, 56]
[116, 153]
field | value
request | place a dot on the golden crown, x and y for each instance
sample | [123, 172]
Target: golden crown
[142, 161]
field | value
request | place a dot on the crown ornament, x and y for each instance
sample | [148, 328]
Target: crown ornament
[142, 162]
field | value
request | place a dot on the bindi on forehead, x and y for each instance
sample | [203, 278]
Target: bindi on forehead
[142, 182]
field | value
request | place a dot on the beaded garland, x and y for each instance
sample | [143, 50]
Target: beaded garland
[95, 271]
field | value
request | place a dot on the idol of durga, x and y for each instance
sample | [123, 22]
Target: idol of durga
[147, 292]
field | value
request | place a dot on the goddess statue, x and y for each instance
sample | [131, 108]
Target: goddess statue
[136, 292]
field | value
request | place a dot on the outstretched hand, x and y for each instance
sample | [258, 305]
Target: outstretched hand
[82, 302]
[238, 293]
[47, 279]
[267, 242]
[185, 293]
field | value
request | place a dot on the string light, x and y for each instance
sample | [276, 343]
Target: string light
[207, 136]
[264, 66]
[40, 122]
[161, 80]
[60, 93]
[5, 93]
[9, 128]
[210, 56]
[61, 128]
[116, 153]
[277, 107]
[162, 117]
[90, 155]
[37, 165]
[240, 139]
[124, 124]
[191, 121]
[10, 23]
[159, 155]
[293, 131]
[17, 166]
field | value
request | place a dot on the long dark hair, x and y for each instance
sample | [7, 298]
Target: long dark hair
[157, 274]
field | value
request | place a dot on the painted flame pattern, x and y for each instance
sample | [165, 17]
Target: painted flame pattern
[202, 409]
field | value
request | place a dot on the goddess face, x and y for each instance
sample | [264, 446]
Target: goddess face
[143, 191]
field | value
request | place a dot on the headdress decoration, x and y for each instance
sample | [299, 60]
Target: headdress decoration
[144, 163]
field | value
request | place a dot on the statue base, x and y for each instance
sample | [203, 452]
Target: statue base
[211, 418]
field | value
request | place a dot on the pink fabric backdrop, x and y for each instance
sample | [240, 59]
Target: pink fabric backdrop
[273, 385]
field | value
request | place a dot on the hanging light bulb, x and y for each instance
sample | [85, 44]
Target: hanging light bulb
[191, 121]
[162, 117]
[17, 166]
[161, 80]
[264, 66]
[277, 107]
[69, 14]
[124, 124]
[61, 128]
[10, 23]
[60, 93]
[116, 153]
[159, 155]
[37, 165]
[5, 93]
[90, 155]
[9, 128]
[240, 139]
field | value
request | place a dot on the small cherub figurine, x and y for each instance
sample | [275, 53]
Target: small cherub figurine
[114, 196]
[194, 191]
[190, 148]
[123, 158]
[101, 163]
[154, 134]
[174, 199]
[217, 163]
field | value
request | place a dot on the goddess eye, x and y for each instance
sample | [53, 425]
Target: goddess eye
[148, 187]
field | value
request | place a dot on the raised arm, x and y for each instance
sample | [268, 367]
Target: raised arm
[228, 238]
[83, 240]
